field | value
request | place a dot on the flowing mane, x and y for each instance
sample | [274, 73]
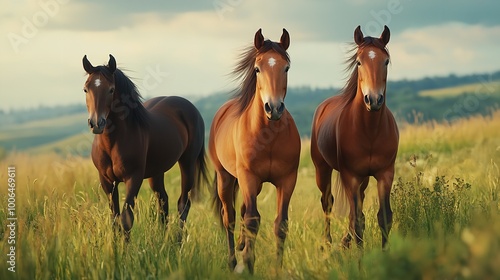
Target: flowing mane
[245, 71]
[348, 92]
[130, 100]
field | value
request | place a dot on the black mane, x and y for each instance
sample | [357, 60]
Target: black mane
[129, 106]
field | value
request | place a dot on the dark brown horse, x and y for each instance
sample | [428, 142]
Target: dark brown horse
[356, 134]
[253, 139]
[134, 141]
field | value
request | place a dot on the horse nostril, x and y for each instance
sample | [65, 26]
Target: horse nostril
[367, 100]
[102, 122]
[281, 108]
[268, 108]
[380, 100]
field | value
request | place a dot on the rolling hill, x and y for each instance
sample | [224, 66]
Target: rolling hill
[63, 129]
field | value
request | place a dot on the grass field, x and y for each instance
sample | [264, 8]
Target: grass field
[475, 88]
[445, 202]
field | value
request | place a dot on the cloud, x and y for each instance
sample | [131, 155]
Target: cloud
[193, 46]
[437, 50]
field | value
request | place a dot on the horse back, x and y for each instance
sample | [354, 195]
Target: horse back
[177, 129]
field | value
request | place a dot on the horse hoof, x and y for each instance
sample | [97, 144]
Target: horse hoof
[239, 268]
[232, 263]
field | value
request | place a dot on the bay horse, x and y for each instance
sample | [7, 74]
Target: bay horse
[254, 139]
[356, 134]
[134, 141]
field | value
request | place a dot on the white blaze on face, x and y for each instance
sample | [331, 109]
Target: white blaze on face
[371, 55]
[271, 61]
[97, 82]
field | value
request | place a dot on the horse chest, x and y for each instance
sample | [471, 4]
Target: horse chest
[367, 157]
[269, 155]
[115, 164]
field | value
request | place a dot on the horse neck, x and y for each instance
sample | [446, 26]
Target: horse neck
[119, 125]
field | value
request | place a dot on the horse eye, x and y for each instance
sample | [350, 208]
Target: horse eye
[257, 70]
[85, 90]
[387, 62]
[287, 68]
[358, 63]
[111, 90]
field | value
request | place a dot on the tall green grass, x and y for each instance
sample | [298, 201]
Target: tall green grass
[445, 203]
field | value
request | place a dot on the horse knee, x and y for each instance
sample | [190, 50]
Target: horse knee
[252, 223]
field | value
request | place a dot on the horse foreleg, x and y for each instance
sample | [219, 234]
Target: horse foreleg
[225, 190]
[241, 238]
[250, 187]
[111, 190]
[355, 192]
[284, 191]
[384, 214]
[133, 185]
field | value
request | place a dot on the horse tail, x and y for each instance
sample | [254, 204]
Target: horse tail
[201, 174]
[217, 202]
[341, 206]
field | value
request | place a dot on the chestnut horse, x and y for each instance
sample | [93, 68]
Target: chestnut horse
[356, 134]
[253, 139]
[134, 141]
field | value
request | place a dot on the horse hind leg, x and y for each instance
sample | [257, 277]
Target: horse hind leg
[188, 173]
[157, 184]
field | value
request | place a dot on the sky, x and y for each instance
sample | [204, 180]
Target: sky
[188, 48]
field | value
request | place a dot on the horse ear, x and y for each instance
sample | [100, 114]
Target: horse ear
[386, 35]
[285, 39]
[87, 65]
[358, 36]
[258, 41]
[112, 64]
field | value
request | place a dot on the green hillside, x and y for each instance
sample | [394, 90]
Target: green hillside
[485, 88]
[40, 132]
[63, 129]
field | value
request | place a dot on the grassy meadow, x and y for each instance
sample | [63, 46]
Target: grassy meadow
[445, 203]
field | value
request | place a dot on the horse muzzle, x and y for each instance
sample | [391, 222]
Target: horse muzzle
[373, 102]
[274, 111]
[97, 127]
